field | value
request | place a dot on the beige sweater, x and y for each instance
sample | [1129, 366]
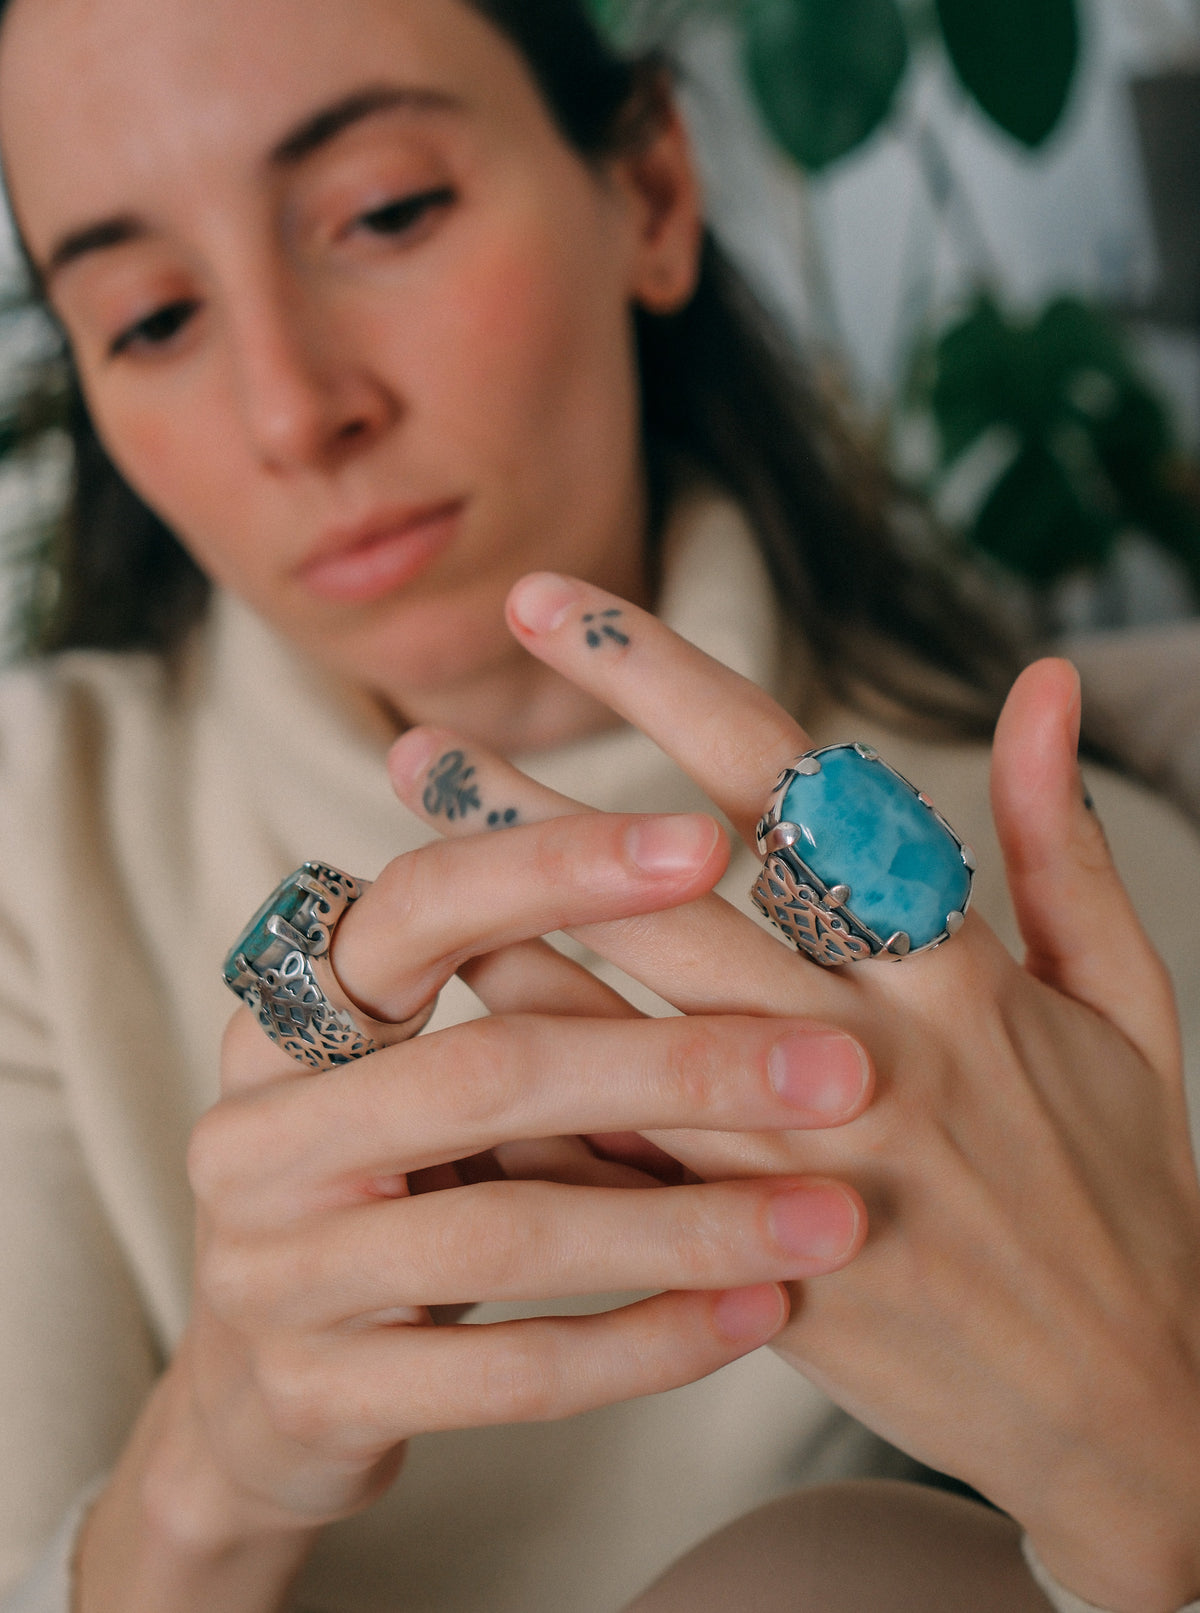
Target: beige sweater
[143, 815]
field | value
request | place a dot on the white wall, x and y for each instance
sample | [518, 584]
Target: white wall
[861, 258]
[1070, 217]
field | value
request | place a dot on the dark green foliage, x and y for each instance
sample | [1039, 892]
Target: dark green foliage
[824, 72]
[607, 14]
[1016, 57]
[1093, 449]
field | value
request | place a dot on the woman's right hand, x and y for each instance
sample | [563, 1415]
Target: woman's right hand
[333, 1212]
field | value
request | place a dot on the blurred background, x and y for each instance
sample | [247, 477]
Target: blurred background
[982, 220]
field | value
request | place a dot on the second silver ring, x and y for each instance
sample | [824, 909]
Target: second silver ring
[280, 967]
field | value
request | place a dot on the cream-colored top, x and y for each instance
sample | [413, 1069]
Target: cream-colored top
[143, 815]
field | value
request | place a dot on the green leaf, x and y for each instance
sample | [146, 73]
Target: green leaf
[1034, 522]
[971, 379]
[1017, 58]
[606, 14]
[1095, 455]
[824, 72]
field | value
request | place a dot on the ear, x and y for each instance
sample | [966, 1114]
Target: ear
[657, 176]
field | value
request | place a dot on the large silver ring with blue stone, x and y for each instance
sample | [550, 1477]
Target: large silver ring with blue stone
[858, 863]
[281, 969]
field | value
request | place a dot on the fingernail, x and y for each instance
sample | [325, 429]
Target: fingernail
[671, 845]
[754, 1314]
[542, 602]
[818, 1223]
[823, 1073]
[411, 755]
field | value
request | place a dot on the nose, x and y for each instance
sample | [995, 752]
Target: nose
[307, 399]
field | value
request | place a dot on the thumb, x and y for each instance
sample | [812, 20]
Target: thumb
[1075, 916]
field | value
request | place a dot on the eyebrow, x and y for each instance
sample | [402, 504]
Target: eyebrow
[316, 131]
[323, 126]
[99, 237]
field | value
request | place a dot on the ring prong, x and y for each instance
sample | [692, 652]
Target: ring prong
[807, 766]
[954, 923]
[287, 933]
[900, 944]
[839, 895]
[969, 859]
[780, 837]
[867, 752]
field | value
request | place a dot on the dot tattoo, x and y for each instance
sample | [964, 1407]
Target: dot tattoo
[502, 820]
[600, 627]
[452, 791]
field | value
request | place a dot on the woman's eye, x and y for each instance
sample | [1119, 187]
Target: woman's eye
[400, 216]
[156, 329]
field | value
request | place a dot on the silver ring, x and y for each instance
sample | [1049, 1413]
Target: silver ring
[281, 969]
[859, 863]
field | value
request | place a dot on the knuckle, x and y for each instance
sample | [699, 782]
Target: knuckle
[398, 885]
[481, 1091]
[700, 1230]
[230, 1143]
[492, 1242]
[752, 747]
[521, 1383]
[696, 1056]
[568, 860]
[296, 1393]
[232, 1282]
[211, 1149]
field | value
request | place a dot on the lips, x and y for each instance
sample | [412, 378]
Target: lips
[355, 565]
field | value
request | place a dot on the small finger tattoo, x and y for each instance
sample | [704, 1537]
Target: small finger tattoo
[601, 627]
[502, 820]
[1094, 810]
[452, 791]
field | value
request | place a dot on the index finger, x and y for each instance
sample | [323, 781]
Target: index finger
[722, 730]
[685, 955]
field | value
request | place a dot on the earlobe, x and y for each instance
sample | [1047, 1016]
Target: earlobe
[667, 216]
[668, 287]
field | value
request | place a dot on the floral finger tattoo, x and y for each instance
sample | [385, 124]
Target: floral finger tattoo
[453, 793]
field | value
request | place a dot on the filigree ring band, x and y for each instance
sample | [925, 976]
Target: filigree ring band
[281, 969]
[858, 863]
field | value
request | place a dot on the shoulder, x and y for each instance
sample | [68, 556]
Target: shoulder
[66, 723]
[95, 685]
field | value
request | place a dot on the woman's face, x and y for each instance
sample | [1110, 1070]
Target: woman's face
[348, 311]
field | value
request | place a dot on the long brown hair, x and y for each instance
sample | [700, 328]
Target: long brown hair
[723, 392]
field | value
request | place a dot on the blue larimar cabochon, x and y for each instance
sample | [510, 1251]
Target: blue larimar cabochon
[256, 940]
[861, 825]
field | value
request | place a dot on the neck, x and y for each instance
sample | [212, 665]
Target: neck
[516, 710]
[510, 701]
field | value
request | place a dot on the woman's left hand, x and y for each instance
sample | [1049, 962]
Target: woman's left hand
[1026, 1311]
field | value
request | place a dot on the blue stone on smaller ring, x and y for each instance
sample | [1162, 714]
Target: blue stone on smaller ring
[858, 863]
[281, 969]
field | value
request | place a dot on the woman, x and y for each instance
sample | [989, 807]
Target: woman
[350, 292]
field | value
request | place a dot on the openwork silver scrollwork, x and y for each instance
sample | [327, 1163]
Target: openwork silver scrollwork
[295, 1013]
[808, 922]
